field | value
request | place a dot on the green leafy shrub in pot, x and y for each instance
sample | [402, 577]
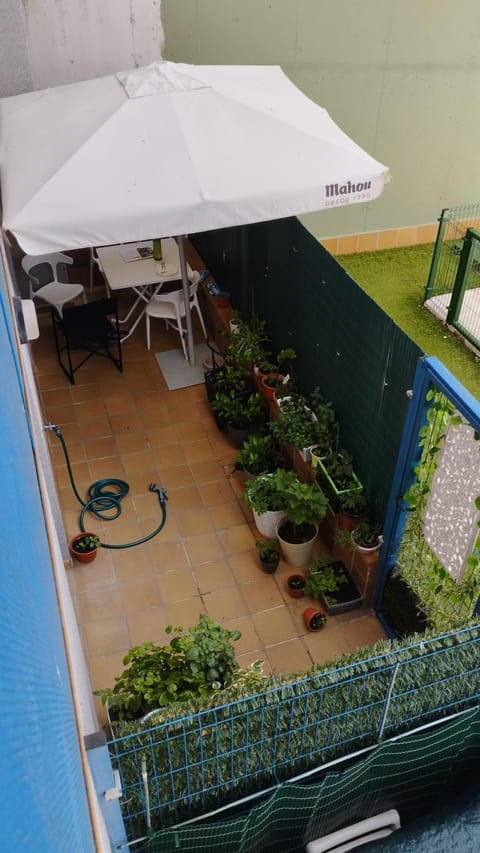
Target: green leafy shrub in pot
[197, 661]
[294, 424]
[245, 346]
[306, 505]
[269, 492]
[85, 543]
[258, 455]
[239, 411]
[325, 577]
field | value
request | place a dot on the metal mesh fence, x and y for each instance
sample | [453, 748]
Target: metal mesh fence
[453, 224]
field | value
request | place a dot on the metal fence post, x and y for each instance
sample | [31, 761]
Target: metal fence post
[430, 286]
[461, 278]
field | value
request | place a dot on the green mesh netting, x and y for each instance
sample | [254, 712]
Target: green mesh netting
[410, 774]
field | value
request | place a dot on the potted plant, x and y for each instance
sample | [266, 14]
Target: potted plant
[296, 585]
[279, 375]
[366, 537]
[314, 619]
[268, 554]
[197, 661]
[337, 474]
[306, 506]
[352, 508]
[331, 582]
[242, 415]
[267, 498]
[245, 346]
[295, 425]
[326, 426]
[84, 546]
[258, 455]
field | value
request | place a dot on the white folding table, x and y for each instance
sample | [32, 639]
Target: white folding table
[145, 276]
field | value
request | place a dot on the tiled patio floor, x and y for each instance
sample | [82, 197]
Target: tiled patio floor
[204, 560]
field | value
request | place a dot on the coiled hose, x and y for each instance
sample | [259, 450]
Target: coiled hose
[105, 497]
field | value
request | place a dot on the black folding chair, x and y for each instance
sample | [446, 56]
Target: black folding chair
[93, 327]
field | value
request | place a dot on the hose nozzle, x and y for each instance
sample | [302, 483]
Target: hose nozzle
[56, 429]
[161, 492]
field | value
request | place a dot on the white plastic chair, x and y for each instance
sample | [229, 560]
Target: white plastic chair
[56, 293]
[95, 262]
[171, 308]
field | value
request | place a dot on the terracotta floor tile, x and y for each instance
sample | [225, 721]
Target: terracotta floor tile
[363, 632]
[148, 625]
[206, 472]
[119, 404]
[174, 476]
[274, 625]
[287, 657]
[167, 556]
[132, 564]
[107, 635]
[177, 585]
[104, 669]
[261, 594]
[62, 414]
[140, 594]
[244, 566]
[185, 613]
[57, 397]
[226, 515]
[199, 451]
[191, 430]
[203, 549]
[94, 428]
[187, 497]
[91, 575]
[134, 463]
[193, 522]
[325, 644]
[162, 436]
[213, 576]
[250, 657]
[218, 492]
[101, 602]
[224, 604]
[249, 640]
[236, 539]
[131, 442]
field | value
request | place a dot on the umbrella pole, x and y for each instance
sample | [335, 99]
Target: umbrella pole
[186, 296]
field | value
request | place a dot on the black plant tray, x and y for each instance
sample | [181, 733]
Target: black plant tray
[346, 598]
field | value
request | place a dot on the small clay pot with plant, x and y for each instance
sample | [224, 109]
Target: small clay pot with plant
[84, 547]
[296, 586]
[268, 554]
[314, 619]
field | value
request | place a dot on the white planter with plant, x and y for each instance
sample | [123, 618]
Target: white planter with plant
[267, 498]
[306, 507]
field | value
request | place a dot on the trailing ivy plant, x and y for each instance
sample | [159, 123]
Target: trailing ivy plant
[446, 602]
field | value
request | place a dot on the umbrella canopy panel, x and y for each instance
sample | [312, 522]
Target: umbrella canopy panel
[171, 149]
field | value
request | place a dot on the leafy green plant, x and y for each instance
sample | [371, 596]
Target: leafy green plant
[258, 455]
[326, 577]
[268, 550]
[353, 503]
[237, 410]
[366, 534]
[339, 465]
[317, 621]
[245, 346]
[269, 492]
[294, 423]
[195, 662]
[306, 505]
[88, 542]
[327, 425]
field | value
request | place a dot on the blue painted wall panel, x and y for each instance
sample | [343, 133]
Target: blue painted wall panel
[43, 804]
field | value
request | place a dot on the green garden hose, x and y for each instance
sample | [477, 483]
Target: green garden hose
[105, 497]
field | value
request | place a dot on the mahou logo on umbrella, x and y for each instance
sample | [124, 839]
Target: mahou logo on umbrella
[347, 193]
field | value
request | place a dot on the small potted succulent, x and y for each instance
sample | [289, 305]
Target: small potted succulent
[84, 546]
[296, 585]
[268, 554]
[314, 619]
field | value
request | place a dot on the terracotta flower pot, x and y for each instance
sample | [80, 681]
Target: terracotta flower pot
[310, 614]
[268, 390]
[294, 591]
[82, 556]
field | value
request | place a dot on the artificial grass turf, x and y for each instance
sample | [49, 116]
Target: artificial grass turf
[396, 279]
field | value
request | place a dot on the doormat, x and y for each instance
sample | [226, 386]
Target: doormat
[176, 370]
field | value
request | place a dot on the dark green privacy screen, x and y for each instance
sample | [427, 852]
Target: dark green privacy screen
[411, 775]
[345, 342]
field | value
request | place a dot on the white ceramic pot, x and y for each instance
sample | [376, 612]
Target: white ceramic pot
[267, 522]
[297, 553]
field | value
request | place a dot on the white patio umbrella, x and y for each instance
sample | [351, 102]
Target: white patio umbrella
[168, 150]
